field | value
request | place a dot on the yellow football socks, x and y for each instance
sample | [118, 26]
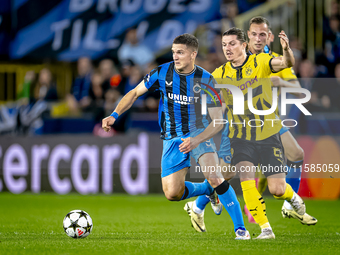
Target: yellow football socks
[255, 203]
[288, 195]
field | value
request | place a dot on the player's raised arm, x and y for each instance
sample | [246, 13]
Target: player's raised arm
[287, 60]
[124, 105]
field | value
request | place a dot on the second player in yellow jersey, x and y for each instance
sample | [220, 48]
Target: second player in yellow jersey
[254, 73]
[259, 145]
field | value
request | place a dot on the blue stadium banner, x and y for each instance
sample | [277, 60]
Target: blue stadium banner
[5, 26]
[67, 29]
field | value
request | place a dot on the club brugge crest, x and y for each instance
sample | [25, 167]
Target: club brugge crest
[227, 158]
[249, 71]
[197, 88]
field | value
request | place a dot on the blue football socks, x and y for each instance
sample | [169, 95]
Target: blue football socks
[293, 177]
[228, 198]
[193, 189]
[202, 201]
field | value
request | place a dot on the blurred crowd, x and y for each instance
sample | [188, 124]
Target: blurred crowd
[97, 89]
[313, 76]
[94, 93]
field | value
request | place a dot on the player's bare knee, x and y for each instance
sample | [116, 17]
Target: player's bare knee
[173, 195]
[229, 175]
[245, 176]
[278, 189]
[214, 182]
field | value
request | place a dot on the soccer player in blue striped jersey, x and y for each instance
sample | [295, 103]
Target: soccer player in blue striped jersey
[184, 129]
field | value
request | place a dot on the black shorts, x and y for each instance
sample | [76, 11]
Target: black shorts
[267, 153]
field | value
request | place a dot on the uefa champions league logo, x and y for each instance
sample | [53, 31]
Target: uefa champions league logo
[197, 89]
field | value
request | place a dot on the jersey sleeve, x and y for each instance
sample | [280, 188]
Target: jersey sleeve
[217, 74]
[265, 62]
[287, 74]
[151, 80]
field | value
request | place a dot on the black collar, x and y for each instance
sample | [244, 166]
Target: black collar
[236, 67]
[185, 74]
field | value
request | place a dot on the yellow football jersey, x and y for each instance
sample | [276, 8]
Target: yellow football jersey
[286, 74]
[254, 73]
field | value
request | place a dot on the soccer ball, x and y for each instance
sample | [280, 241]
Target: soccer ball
[77, 224]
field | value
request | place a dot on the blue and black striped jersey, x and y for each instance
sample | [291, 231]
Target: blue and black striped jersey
[181, 98]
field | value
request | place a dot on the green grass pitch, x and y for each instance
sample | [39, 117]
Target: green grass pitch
[32, 224]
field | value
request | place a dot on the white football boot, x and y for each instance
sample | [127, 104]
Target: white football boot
[298, 205]
[305, 219]
[266, 233]
[216, 205]
[197, 219]
[242, 234]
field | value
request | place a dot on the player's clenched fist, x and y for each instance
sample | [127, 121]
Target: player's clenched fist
[107, 123]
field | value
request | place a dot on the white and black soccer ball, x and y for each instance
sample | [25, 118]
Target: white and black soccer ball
[77, 224]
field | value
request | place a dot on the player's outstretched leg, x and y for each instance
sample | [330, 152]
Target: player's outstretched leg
[295, 155]
[176, 188]
[283, 191]
[294, 200]
[260, 182]
[197, 219]
[202, 201]
[224, 159]
[226, 195]
[293, 178]
[257, 208]
[229, 200]
[288, 211]
[194, 189]
[197, 216]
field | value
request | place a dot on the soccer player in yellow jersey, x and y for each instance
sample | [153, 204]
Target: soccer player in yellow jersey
[251, 143]
[260, 38]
